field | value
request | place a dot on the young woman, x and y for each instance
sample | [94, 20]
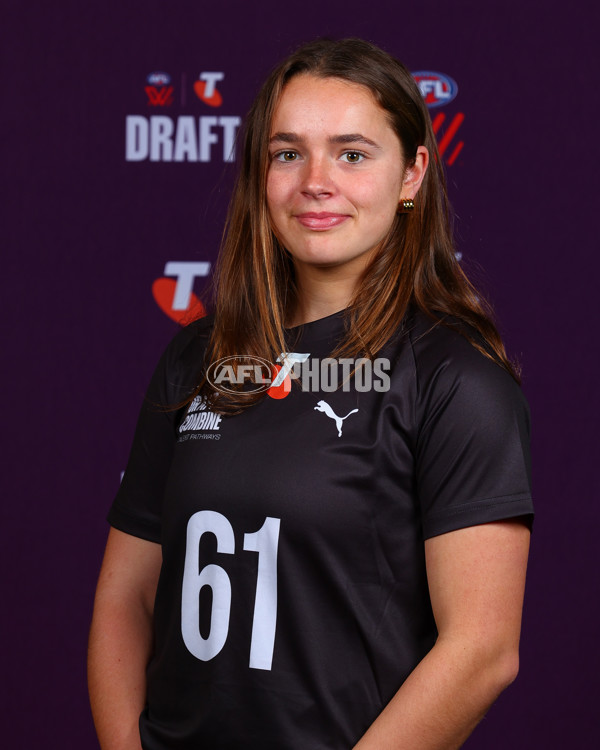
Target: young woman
[336, 558]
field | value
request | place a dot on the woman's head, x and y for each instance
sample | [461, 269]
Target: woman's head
[393, 90]
[394, 268]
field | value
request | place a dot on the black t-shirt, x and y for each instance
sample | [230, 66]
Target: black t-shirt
[293, 598]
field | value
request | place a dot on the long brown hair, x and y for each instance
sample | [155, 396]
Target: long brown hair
[415, 265]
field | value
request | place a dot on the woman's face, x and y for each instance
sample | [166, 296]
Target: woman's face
[336, 173]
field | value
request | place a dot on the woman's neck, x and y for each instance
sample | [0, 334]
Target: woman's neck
[321, 292]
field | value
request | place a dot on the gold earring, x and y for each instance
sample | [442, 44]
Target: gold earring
[406, 205]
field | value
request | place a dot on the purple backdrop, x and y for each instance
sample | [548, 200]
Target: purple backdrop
[87, 233]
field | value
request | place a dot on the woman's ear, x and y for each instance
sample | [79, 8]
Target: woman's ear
[414, 175]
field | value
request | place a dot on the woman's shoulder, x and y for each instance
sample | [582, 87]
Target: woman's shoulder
[179, 369]
[446, 358]
[190, 340]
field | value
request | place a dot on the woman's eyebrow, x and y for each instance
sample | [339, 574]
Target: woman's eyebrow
[353, 138]
[286, 138]
[345, 138]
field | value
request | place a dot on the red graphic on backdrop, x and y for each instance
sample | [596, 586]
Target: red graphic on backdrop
[206, 88]
[163, 291]
[445, 139]
[200, 90]
[159, 97]
[176, 297]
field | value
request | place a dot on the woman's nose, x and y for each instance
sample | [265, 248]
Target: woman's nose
[317, 178]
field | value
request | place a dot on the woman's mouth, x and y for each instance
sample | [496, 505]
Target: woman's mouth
[321, 221]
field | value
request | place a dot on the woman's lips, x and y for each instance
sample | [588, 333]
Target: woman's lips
[321, 221]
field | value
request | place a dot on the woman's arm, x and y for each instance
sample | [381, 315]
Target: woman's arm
[476, 582]
[121, 638]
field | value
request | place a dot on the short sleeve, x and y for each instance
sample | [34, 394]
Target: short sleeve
[472, 456]
[137, 507]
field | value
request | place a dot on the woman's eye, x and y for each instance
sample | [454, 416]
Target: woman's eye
[353, 157]
[286, 156]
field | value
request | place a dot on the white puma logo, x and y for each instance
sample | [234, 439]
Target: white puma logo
[339, 421]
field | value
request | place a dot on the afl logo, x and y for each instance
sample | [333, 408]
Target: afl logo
[158, 79]
[255, 374]
[436, 89]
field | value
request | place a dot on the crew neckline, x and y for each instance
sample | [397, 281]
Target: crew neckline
[317, 330]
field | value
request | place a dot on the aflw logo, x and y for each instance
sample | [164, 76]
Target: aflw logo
[158, 91]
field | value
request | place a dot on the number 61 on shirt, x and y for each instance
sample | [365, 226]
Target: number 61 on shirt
[265, 542]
